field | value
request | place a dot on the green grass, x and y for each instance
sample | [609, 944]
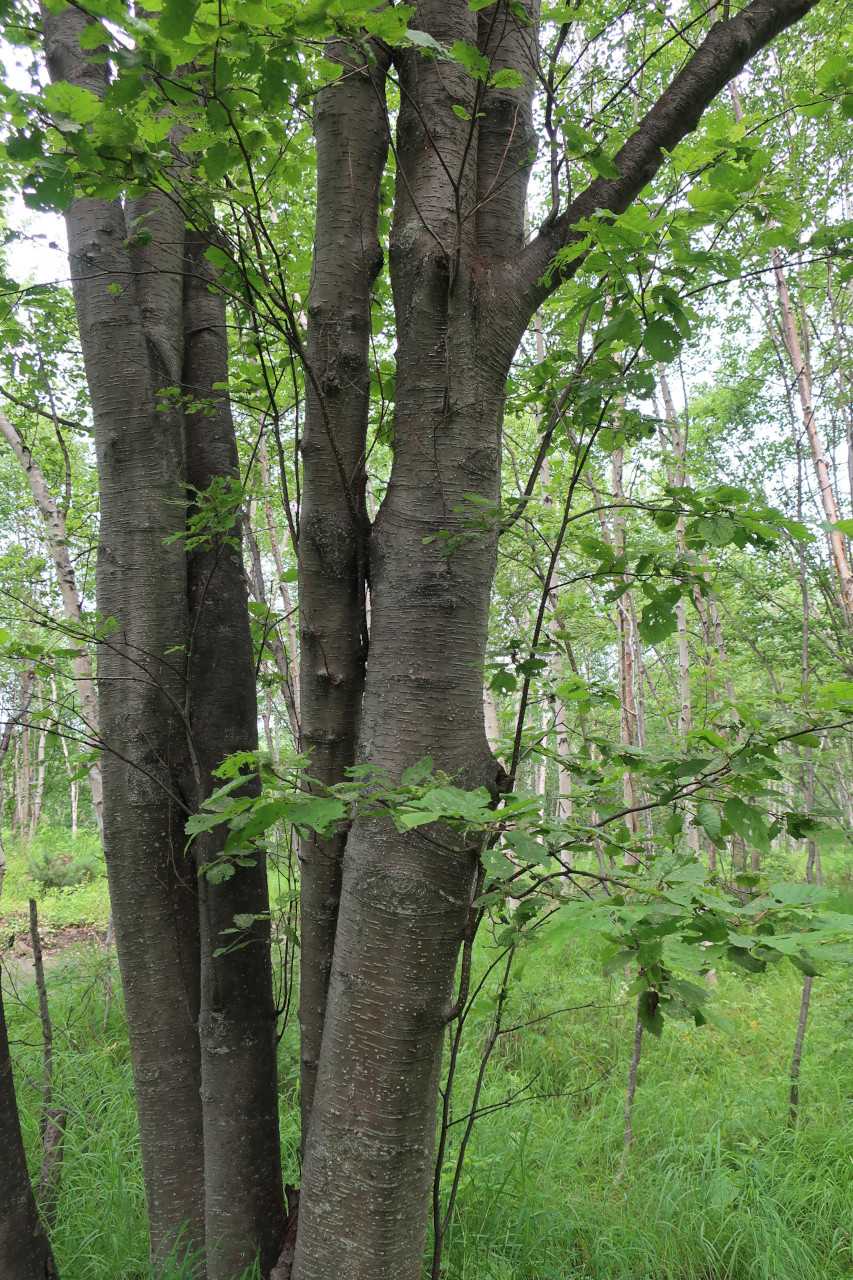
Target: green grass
[718, 1187]
[84, 903]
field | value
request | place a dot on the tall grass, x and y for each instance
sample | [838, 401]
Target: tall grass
[718, 1187]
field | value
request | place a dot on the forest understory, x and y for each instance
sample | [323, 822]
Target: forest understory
[719, 1183]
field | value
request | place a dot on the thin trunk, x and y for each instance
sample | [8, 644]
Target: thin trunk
[57, 538]
[678, 477]
[53, 1119]
[69, 768]
[797, 1057]
[244, 1196]
[626, 660]
[26, 693]
[25, 783]
[289, 609]
[351, 133]
[803, 377]
[40, 765]
[796, 1060]
[283, 664]
[490, 711]
[630, 1094]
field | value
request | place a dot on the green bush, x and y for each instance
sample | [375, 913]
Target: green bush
[57, 860]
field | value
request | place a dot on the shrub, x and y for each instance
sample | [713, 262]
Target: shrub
[56, 860]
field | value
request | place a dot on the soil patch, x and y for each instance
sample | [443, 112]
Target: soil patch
[16, 948]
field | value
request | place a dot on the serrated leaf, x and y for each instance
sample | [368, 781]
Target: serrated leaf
[469, 57]
[176, 20]
[507, 79]
[428, 45]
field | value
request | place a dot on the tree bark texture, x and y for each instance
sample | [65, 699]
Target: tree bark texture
[25, 1252]
[244, 1205]
[176, 692]
[351, 133]
[465, 288]
[405, 899]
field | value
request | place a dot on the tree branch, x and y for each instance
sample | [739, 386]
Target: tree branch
[721, 56]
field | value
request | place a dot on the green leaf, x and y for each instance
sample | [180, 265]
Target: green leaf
[389, 24]
[507, 79]
[471, 59]
[657, 621]
[673, 824]
[604, 166]
[503, 682]
[176, 19]
[805, 740]
[428, 45]
[662, 341]
[51, 188]
[739, 816]
[94, 35]
[417, 772]
[77, 104]
[319, 813]
[649, 1013]
[708, 817]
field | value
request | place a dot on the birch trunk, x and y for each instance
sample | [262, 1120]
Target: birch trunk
[803, 377]
[678, 477]
[57, 539]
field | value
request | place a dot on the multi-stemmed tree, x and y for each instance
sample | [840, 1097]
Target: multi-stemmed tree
[393, 611]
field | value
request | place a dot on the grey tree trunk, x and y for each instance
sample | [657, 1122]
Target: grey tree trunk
[465, 288]
[176, 691]
[244, 1198]
[351, 133]
[57, 538]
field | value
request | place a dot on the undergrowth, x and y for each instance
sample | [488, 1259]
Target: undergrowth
[718, 1186]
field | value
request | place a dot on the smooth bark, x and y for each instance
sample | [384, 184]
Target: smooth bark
[176, 692]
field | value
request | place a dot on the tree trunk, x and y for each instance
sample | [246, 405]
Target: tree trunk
[351, 133]
[803, 377]
[40, 764]
[176, 687]
[244, 1197]
[465, 288]
[57, 538]
[405, 898]
[679, 477]
[25, 1252]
